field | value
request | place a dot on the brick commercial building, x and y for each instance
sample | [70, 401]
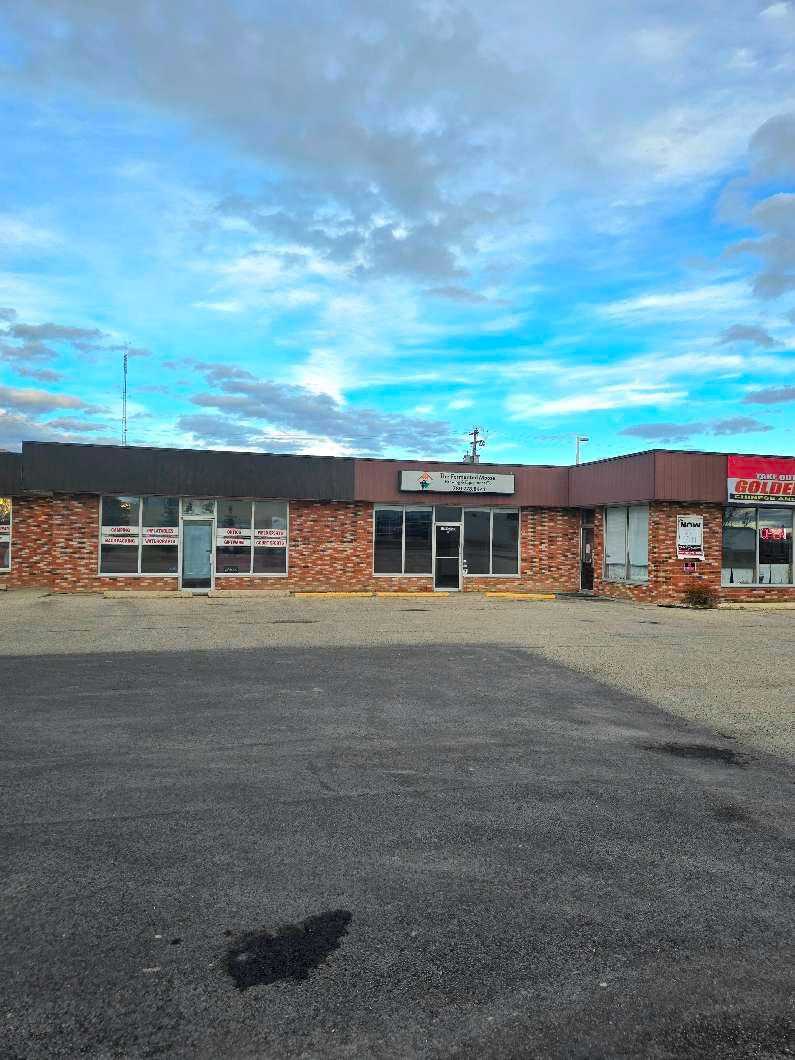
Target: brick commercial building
[86, 518]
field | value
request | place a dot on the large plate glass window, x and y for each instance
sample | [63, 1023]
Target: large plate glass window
[5, 533]
[139, 535]
[251, 538]
[491, 541]
[270, 537]
[402, 541]
[757, 546]
[159, 535]
[120, 535]
[627, 543]
[233, 538]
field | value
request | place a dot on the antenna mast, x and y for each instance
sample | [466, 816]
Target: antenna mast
[124, 399]
[473, 456]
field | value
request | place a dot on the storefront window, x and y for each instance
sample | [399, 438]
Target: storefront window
[403, 539]
[160, 535]
[477, 542]
[5, 533]
[419, 531]
[627, 543]
[505, 543]
[233, 538]
[270, 537]
[388, 541]
[120, 535]
[757, 546]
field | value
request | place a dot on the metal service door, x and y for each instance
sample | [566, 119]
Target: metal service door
[197, 555]
[447, 567]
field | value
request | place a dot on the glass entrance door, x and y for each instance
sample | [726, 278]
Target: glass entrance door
[447, 568]
[197, 555]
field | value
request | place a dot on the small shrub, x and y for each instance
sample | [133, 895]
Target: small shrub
[699, 593]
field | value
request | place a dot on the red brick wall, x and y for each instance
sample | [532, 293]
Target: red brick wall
[667, 579]
[31, 543]
[56, 544]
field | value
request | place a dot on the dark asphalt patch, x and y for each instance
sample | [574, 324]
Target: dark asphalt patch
[704, 751]
[729, 811]
[415, 609]
[730, 1036]
[260, 958]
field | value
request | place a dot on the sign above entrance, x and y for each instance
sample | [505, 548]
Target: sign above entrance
[761, 480]
[417, 481]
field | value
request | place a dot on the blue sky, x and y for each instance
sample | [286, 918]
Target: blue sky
[362, 228]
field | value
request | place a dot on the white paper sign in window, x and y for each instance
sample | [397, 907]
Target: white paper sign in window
[270, 538]
[690, 537]
[119, 535]
[229, 536]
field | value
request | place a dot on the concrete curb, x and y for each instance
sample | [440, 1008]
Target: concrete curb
[412, 596]
[330, 596]
[521, 596]
[752, 605]
[147, 594]
[248, 594]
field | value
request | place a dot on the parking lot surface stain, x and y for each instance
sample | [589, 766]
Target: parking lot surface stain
[260, 958]
[706, 752]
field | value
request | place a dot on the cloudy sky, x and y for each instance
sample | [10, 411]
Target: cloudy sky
[344, 226]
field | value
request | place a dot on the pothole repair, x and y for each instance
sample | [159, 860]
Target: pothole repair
[259, 958]
[704, 751]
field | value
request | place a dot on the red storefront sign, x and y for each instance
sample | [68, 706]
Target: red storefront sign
[761, 480]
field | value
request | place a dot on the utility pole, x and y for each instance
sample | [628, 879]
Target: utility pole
[580, 438]
[124, 399]
[473, 456]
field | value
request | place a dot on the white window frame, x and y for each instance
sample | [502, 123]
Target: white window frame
[403, 508]
[251, 572]
[121, 574]
[627, 565]
[5, 570]
[756, 584]
[491, 573]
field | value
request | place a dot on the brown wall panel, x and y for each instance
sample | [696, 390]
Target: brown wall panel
[378, 481]
[690, 476]
[616, 481]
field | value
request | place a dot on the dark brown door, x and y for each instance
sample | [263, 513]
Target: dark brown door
[586, 558]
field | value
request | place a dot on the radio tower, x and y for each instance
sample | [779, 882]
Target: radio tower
[124, 400]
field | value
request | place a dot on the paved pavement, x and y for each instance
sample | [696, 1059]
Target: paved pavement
[731, 670]
[406, 849]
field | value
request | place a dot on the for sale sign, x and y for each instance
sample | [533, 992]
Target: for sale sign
[761, 480]
[690, 537]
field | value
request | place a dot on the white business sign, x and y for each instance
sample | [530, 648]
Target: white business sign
[119, 535]
[161, 535]
[271, 538]
[232, 535]
[455, 482]
[690, 537]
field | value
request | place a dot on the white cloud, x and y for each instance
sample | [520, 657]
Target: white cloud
[527, 406]
[16, 232]
[777, 11]
[732, 295]
[460, 403]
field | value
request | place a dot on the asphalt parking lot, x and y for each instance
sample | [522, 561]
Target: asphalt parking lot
[288, 831]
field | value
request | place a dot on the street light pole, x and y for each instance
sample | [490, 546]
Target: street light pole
[580, 438]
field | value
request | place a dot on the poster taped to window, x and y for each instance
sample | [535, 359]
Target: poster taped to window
[690, 537]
